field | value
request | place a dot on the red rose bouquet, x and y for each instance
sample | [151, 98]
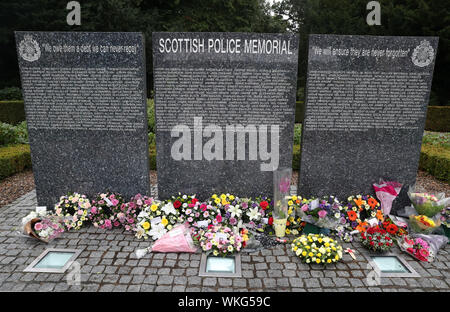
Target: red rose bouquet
[377, 239]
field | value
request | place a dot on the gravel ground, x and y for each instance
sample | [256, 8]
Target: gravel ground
[20, 184]
[15, 186]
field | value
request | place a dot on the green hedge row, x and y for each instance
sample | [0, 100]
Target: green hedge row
[12, 112]
[438, 118]
[11, 94]
[14, 159]
[435, 161]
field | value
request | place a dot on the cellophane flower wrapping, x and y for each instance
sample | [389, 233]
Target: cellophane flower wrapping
[386, 192]
[42, 225]
[422, 224]
[282, 186]
[445, 217]
[428, 204]
[32, 215]
[49, 228]
[176, 240]
[324, 212]
[422, 247]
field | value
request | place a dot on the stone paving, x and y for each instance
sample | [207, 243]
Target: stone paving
[108, 263]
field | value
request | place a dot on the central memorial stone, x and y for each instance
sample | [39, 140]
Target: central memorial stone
[224, 105]
[85, 104]
[365, 113]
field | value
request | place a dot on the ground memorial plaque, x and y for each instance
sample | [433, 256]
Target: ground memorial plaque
[85, 104]
[224, 105]
[365, 112]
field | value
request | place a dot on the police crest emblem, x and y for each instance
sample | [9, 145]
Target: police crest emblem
[29, 49]
[423, 54]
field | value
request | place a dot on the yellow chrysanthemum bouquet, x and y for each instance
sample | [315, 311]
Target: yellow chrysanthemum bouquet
[317, 248]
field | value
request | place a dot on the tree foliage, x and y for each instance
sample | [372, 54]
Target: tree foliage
[129, 15]
[398, 18]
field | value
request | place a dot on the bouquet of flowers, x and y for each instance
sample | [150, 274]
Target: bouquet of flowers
[151, 221]
[126, 215]
[200, 215]
[40, 225]
[386, 193]
[254, 213]
[394, 229]
[176, 240]
[324, 213]
[181, 203]
[423, 224]
[48, 228]
[377, 239]
[360, 209]
[294, 222]
[220, 241]
[445, 217]
[169, 212]
[229, 208]
[416, 247]
[106, 212]
[38, 214]
[223, 200]
[317, 248]
[74, 208]
[428, 204]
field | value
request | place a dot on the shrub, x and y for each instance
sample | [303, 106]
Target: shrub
[151, 139]
[296, 157]
[441, 139]
[438, 118]
[14, 159]
[10, 93]
[12, 112]
[297, 134]
[151, 115]
[10, 134]
[436, 161]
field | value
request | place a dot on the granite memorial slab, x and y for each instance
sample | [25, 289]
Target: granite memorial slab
[366, 104]
[224, 106]
[85, 105]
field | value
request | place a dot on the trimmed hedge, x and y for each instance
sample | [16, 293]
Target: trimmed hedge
[438, 119]
[12, 112]
[10, 94]
[296, 157]
[14, 159]
[435, 161]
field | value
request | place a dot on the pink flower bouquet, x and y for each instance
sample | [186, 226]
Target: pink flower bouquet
[103, 213]
[176, 240]
[386, 192]
[221, 241]
[45, 228]
[416, 247]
